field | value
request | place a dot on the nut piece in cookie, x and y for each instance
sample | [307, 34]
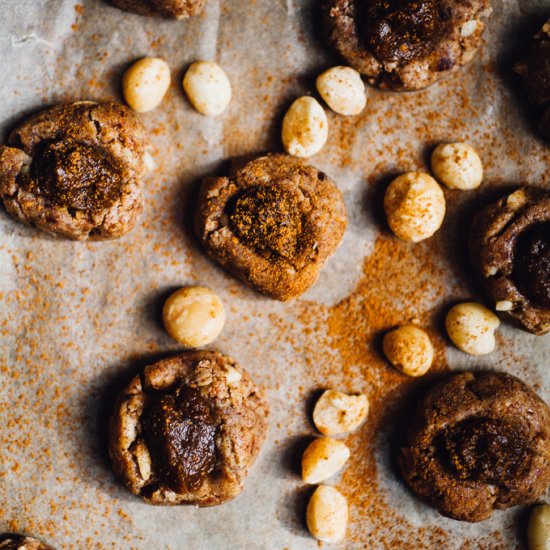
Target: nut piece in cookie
[405, 44]
[12, 541]
[74, 170]
[273, 223]
[510, 248]
[178, 9]
[536, 72]
[187, 430]
[479, 441]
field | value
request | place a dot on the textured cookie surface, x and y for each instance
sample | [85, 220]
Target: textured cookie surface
[74, 170]
[187, 430]
[273, 223]
[510, 248]
[480, 441]
[405, 44]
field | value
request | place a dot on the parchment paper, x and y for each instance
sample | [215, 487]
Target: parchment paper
[77, 320]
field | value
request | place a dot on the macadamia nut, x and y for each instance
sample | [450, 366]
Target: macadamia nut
[409, 349]
[305, 128]
[343, 90]
[457, 165]
[143, 459]
[337, 413]
[470, 27]
[471, 327]
[232, 376]
[145, 83]
[194, 316]
[415, 206]
[538, 529]
[207, 88]
[323, 458]
[327, 514]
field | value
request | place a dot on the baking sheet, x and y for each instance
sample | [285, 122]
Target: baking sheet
[78, 319]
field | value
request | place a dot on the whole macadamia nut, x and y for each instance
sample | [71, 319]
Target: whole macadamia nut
[145, 83]
[471, 327]
[538, 529]
[207, 88]
[457, 166]
[194, 316]
[305, 128]
[336, 412]
[327, 514]
[343, 90]
[415, 206]
[409, 349]
[323, 458]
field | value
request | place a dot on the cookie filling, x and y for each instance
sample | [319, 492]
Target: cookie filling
[180, 431]
[75, 175]
[400, 31]
[532, 264]
[485, 450]
[268, 219]
[538, 76]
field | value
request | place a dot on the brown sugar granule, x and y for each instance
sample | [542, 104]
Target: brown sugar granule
[268, 218]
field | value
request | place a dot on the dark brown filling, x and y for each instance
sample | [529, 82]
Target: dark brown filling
[532, 264]
[180, 430]
[487, 450]
[401, 31]
[75, 175]
[268, 219]
[544, 124]
[538, 73]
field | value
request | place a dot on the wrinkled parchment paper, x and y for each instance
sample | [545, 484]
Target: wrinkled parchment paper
[77, 320]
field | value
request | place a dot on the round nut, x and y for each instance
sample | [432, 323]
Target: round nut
[194, 316]
[337, 413]
[343, 90]
[409, 349]
[538, 529]
[457, 165]
[415, 206]
[207, 88]
[305, 128]
[327, 514]
[471, 327]
[145, 83]
[322, 459]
